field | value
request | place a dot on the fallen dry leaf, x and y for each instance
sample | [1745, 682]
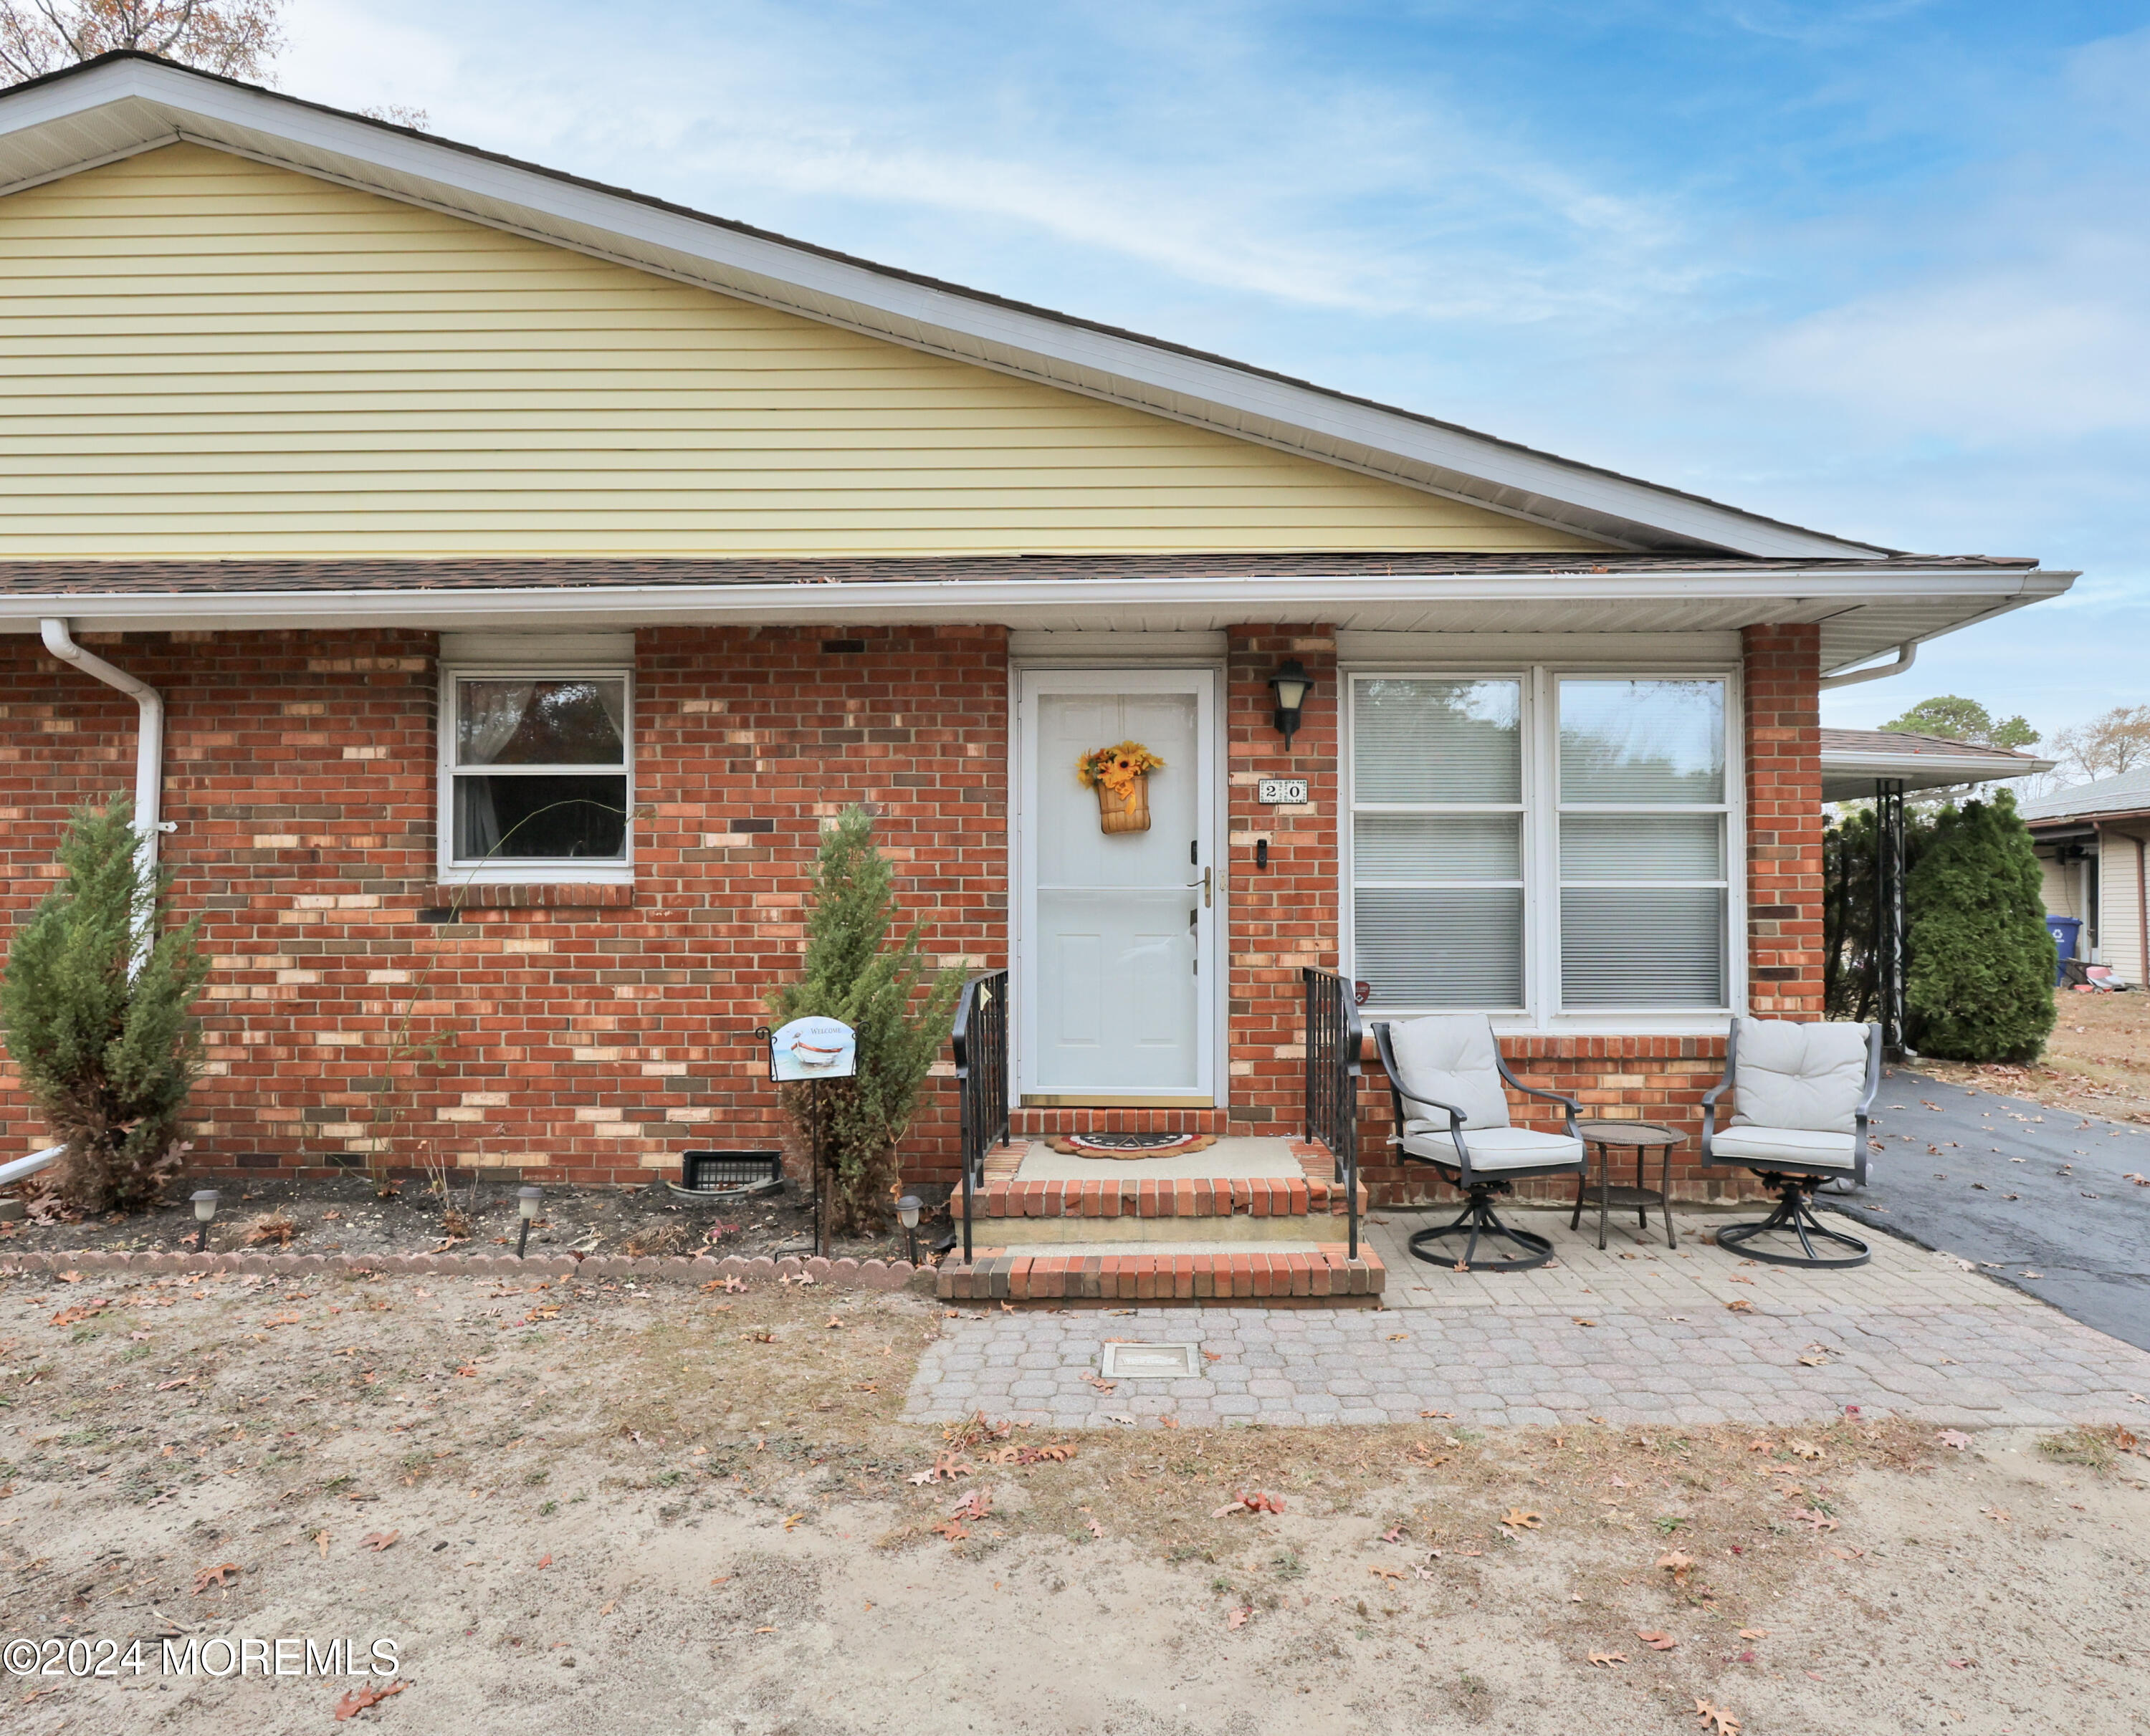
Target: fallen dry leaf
[352, 1704]
[1389, 1573]
[1954, 1437]
[1754, 1633]
[186, 1379]
[377, 1541]
[1805, 1450]
[1656, 1642]
[1580, 1322]
[1813, 1516]
[835, 1325]
[1680, 1564]
[792, 1521]
[1605, 1659]
[1239, 1617]
[1525, 1521]
[607, 1608]
[1813, 1361]
[1716, 1718]
[1740, 1304]
[976, 1505]
[220, 1575]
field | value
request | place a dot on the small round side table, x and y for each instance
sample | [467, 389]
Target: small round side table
[1641, 1138]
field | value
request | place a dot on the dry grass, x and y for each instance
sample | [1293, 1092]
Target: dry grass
[2097, 1062]
[270, 1230]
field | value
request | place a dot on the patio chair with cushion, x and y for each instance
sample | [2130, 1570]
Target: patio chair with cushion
[1801, 1093]
[1446, 1078]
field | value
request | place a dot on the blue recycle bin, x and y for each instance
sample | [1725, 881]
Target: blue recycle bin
[2065, 931]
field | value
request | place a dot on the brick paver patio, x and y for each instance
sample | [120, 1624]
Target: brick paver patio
[1911, 1334]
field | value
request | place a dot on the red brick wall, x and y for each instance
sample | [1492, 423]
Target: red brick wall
[595, 1038]
[592, 1040]
[1783, 822]
[1283, 916]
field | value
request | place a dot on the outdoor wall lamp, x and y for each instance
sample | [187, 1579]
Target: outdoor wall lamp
[528, 1199]
[907, 1213]
[204, 1210]
[1290, 685]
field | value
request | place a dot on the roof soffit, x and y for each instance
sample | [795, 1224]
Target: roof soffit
[121, 105]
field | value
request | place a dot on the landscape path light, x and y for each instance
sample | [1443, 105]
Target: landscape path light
[907, 1213]
[204, 1210]
[528, 1199]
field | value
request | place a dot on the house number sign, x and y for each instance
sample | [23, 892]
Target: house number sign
[1276, 791]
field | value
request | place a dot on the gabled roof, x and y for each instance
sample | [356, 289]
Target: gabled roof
[122, 103]
[2123, 792]
[1854, 760]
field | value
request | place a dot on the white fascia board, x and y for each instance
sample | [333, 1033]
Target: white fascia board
[1213, 394]
[1942, 768]
[959, 601]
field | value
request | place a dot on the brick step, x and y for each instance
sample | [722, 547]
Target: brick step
[1307, 1275]
[1188, 1206]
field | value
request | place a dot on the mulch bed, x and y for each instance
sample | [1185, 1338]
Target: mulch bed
[341, 1217]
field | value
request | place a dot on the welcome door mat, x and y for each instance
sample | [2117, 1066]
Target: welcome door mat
[1128, 1146]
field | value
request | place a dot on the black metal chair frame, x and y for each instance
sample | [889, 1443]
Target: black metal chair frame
[1478, 1221]
[1793, 1185]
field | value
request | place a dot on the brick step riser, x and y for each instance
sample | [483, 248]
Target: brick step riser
[1324, 1278]
[1042, 1234]
[1183, 1199]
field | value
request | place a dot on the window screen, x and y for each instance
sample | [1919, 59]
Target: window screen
[1437, 841]
[1644, 884]
[540, 771]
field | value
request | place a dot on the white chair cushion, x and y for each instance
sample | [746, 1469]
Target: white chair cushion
[1787, 1074]
[1495, 1148]
[1793, 1148]
[1452, 1058]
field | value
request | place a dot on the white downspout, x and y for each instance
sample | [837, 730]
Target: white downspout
[149, 742]
[1907, 654]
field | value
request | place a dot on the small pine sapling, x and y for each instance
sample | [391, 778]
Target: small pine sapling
[884, 994]
[95, 1005]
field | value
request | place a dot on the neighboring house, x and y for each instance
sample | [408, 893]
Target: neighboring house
[2091, 844]
[433, 491]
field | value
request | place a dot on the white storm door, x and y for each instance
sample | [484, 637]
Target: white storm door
[1119, 969]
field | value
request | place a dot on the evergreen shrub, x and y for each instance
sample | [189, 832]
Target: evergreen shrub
[95, 1009]
[884, 994]
[1980, 982]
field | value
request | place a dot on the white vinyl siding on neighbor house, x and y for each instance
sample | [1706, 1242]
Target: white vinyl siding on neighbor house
[1555, 847]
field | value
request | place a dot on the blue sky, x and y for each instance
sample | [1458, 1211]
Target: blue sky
[1877, 266]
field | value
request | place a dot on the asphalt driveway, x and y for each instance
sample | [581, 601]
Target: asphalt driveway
[2039, 1197]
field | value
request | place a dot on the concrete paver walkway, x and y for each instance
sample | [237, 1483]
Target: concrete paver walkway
[1911, 1334]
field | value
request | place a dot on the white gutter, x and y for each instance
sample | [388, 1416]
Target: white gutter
[1010, 601]
[149, 741]
[1907, 654]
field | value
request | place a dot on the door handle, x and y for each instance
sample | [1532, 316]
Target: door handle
[1203, 883]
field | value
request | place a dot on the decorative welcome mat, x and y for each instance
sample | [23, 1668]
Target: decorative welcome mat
[1127, 1146]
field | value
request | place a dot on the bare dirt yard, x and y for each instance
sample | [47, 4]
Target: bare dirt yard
[566, 1507]
[2097, 1062]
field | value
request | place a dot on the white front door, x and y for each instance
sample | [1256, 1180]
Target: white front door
[1118, 968]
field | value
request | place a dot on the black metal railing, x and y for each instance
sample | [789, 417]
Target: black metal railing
[981, 1076]
[1333, 1037]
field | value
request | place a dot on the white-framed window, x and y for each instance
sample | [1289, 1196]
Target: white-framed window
[1552, 847]
[536, 772]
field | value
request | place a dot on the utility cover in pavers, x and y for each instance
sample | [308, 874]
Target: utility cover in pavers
[1151, 1362]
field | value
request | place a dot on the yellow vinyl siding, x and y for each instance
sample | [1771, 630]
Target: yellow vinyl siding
[202, 355]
